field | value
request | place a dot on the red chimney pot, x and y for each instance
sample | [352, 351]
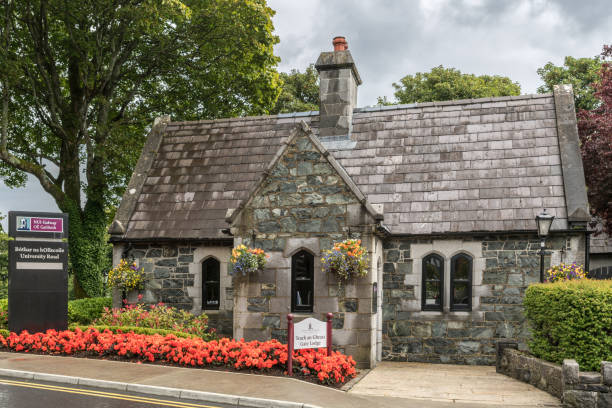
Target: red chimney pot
[340, 43]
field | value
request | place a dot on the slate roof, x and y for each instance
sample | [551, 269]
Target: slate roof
[472, 165]
[601, 243]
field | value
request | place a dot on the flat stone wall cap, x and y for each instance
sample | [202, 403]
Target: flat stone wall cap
[161, 119]
[116, 228]
[571, 372]
[606, 372]
[590, 378]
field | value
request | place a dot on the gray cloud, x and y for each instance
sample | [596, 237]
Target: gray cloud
[391, 39]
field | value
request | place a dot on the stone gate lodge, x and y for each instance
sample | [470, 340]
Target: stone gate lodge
[443, 195]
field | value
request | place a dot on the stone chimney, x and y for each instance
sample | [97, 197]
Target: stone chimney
[339, 80]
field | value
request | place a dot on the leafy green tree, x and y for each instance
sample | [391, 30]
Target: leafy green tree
[582, 73]
[4, 239]
[300, 91]
[81, 80]
[444, 84]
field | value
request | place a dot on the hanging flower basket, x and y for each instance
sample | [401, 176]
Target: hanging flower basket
[564, 272]
[347, 259]
[126, 276]
[245, 260]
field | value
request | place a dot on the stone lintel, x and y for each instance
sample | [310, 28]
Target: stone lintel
[571, 160]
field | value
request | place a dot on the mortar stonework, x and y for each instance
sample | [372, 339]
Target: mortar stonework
[173, 275]
[503, 267]
[303, 204]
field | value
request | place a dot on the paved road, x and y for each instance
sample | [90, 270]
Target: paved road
[26, 394]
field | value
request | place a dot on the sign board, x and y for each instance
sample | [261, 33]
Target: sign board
[38, 255]
[38, 271]
[309, 333]
[38, 225]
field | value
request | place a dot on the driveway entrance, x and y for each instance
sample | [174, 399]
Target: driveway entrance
[451, 383]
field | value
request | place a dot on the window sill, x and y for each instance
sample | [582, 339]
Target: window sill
[450, 315]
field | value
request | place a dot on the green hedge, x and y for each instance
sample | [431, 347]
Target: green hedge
[571, 320]
[85, 311]
[80, 311]
[135, 329]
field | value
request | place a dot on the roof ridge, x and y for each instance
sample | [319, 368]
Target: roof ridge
[452, 102]
[375, 108]
[241, 118]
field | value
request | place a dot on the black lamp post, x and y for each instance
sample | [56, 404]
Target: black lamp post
[543, 221]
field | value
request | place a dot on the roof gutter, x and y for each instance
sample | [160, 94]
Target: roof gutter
[484, 233]
[204, 241]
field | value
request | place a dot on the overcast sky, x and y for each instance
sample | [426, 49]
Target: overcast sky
[390, 39]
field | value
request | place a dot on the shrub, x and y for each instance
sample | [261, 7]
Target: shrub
[3, 313]
[157, 316]
[85, 311]
[238, 355]
[80, 311]
[571, 320]
[346, 259]
[565, 272]
[247, 260]
[135, 330]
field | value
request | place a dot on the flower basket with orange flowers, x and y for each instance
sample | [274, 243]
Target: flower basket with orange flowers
[347, 259]
[247, 260]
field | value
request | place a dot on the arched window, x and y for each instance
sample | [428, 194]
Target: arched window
[461, 282]
[211, 284]
[433, 282]
[302, 282]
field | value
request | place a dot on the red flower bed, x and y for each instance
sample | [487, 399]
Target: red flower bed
[239, 355]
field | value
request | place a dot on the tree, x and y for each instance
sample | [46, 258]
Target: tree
[580, 72]
[4, 239]
[82, 80]
[595, 130]
[443, 84]
[300, 91]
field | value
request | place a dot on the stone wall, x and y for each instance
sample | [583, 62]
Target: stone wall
[304, 204]
[503, 266]
[527, 368]
[173, 275]
[587, 389]
[575, 388]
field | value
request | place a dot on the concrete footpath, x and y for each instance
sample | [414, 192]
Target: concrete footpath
[225, 387]
[447, 382]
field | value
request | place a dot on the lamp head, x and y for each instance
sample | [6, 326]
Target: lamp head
[544, 221]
